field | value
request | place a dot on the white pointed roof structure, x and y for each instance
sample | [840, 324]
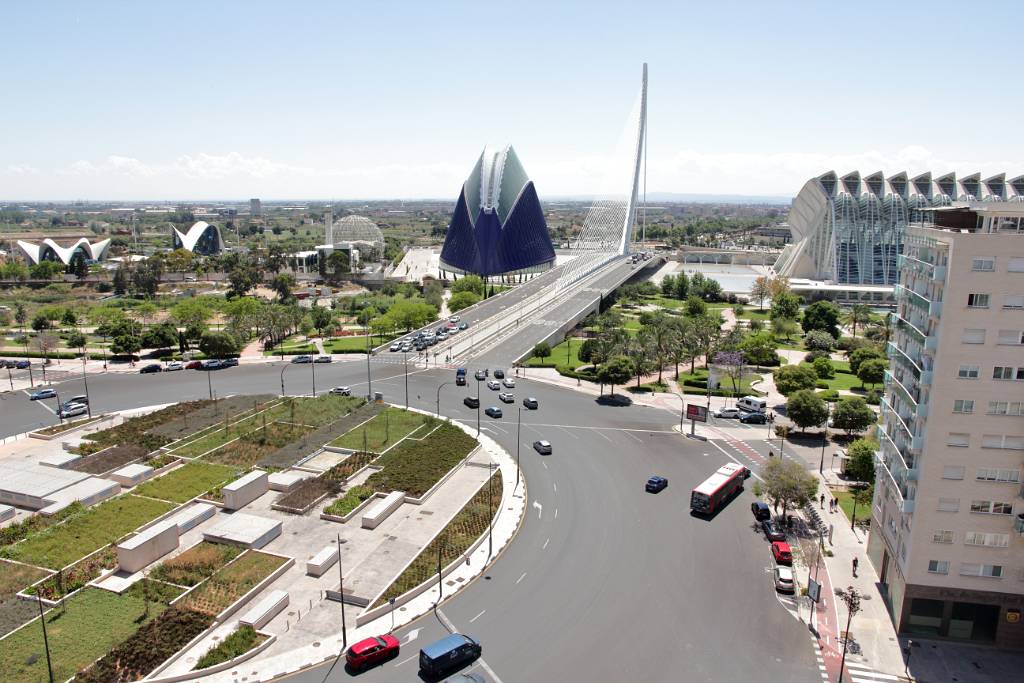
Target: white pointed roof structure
[50, 250]
[189, 239]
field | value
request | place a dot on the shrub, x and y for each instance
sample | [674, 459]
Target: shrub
[873, 398]
[195, 564]
[352, 499]
[792, 378]
[819, 340]
[815, 355]
[243, 639]
[823, 368]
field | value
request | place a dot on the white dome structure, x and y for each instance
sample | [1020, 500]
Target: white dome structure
[357, 229]
[202, 238]
[48, 250]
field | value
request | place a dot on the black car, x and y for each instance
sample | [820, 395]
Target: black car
[754, 418]
[530, 403]
[460, 381]
[761, 510]
[655, 484]
[772, 531]
[153, 367]
[499, 373]
[230, 362]
[543, 447]
[471, 402]
[493, 411]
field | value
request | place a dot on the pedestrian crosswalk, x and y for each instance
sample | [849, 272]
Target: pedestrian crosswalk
[859, 673]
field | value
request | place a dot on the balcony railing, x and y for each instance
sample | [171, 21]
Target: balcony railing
[908, 506]
[888, 409]
[911, 394]
[907, 326]
[902, 356]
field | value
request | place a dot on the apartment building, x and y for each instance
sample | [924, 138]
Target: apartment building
[947, 537]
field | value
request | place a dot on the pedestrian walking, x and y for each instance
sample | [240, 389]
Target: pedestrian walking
[822, 501]
[830, 528]
[855, 567]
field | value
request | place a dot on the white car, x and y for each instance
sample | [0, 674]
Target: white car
[174, 365]
[341, 391]
[507, 397]
[784, 582]
[509, 382]
[454, 319]
[493, 384]
[397, 346]
[727, 412]
[73, 409]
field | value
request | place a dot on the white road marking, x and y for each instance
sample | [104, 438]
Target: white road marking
[477, 616]
[632, 437]
[598, 432]
[540, 509]
[544, 463]
[407, 659]
[726, 454]
[545, 546]
[569, 433]
[556, 513]
[520, 578]
[555, 486]
[413, 635]
[451, 628]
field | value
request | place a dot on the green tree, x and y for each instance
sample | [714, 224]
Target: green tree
[786, 305]
[617, 370]
[283, 284]
[858, 314]
[145, 277]
[321, 318]
[120, 280]
[433, 293]
[410, 314]
[761, 290]
[682, 287]
[786, 484]
[695, 306]
[40, 322]
[192, 313]
[125, 345]
[822, 315]
[461, 300]
[759, 349]
[872, 371]
[852, 414]
[162, 336]
[542, 350]
[45, 270]
[792, 378]
[783, 327]
[585, 350]
[819, 340]
[861, 463]
[68, 318]
[179, 261]
[858, 356]
[823, 368]
[469, 283]
[806, 409]
[244, 276]
[218, 344]
[668, 285]
[76, 340]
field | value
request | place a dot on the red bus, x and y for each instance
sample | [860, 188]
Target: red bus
[718, 488]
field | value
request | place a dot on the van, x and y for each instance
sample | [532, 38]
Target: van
[448, 653]
[752, 404]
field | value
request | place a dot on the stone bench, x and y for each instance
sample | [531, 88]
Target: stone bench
[266, 609]
[322, 561]
[382, 509]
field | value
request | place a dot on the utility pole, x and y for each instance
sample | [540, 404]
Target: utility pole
[478, 408]
[519, 430]
[209, 382]
[490, 511]
[46, 641]
[312, 366]
[824, 441]
[440, 588]
[369, 381]
[405, 359]
[85, 379]
[341, 594]
[852, 599]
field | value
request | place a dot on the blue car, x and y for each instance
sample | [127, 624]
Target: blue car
[42, 393]
[656, 484]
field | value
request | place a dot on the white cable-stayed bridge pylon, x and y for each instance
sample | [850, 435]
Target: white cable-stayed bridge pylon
[608, 225]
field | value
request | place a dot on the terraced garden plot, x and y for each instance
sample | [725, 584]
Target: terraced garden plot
[93, 621]
[385, 430]
[352, 499]
[108, 459]
[199, 562]
[67, 426]
[13, 611]
[466, 526]
[135, 431]
[289, 454]
[414, 466]
[230, 583]
[36, 523]
[247, 451]
[212, 414]
[186, 482]
[62, 544]
[241, 640]
[76, 576]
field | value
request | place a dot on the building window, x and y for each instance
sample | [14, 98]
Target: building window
[1013, 301]
[1004, 407]
[991, 507]
[1011, 337]
[938, 566]
[963, 405]
[991, 571]
[987, 540]
[977, 300]
[1010, 441]
[1007, 372]
[973, 336]
[1016, 265]
[943, 536]
[983, 264]
[953, 472]
[949, 504]
[998, 475]
[968, 371]
[958, 440]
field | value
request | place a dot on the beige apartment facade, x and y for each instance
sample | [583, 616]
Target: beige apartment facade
[947, 536]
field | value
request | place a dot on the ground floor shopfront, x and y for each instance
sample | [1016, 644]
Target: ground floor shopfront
[981, 616]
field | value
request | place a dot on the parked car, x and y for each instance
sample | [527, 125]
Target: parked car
[493, 384]
[302, 359]
[460, 381]
[471, 402]
[39, 394]
[499, 373]
[727, 413]
[480, 374]
[395, 347]
[448, 653]
[761, 510]
[754, 418]
[341, 391]
[784, 582]
[72, 409]
[81, 398]
[174, 365]
[454, 319]
[194, 365]
[543, 447]
[782, 553]
[509, 382]
[370, 651]
[493, 411]
[229, 363]
[463, 326]
[22, 364]
[323, 359]
[530, 403]
[506, 397]
[772, 531]
[655, 484]
[213, 364]
[151, 368]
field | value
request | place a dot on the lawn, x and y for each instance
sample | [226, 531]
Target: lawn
[352, 499]
[13, 611]
[241, 640]
[563, 356]
[383, 430]
[696, 383]
[354, 344]
[76, 576]
[199, 562]
[186, 482]
[135, 431]
[232, 582]
[93, 622]
[415, 465]
[464, 528]
[845, 499]
[60, 545]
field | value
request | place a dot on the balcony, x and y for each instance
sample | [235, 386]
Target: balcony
[931, 343]
[908, 506]
[916, 443]
[911, 362]
[922, 410]
[918, 300]
[907, 326]
[926, 378]
[939, 273]
[935, 308]
[888, 409]
[1018, 523]
[912, 474]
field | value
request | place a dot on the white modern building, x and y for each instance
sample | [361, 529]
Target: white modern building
[50, 250]
[947, 537]
[850, 229]
[202, 238]
[357, 236]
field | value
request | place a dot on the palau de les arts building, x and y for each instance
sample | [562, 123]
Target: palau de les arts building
[498, 226]
[849, 230]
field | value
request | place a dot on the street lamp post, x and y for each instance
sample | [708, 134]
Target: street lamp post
[341, 595]
[439, 396]
[405, 359]
[209, 382]
[46, 640]
[824, 441]
[312, 366]
[85, 379]
[490, 511]
[282, 377]
[682, 409]
[369, 381]
[519, 430]
[478, 408]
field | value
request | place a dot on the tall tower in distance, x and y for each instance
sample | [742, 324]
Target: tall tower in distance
[255, 207]
[329, 226]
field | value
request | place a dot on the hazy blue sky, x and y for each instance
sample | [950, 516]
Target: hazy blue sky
[173, 100]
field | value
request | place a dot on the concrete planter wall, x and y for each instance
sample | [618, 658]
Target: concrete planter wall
[382, 509]
[216, 668]
[343, 519]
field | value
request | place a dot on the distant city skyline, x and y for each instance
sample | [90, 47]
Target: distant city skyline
[237, 100]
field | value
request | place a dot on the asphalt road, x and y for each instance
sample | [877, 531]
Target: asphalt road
[604, 582]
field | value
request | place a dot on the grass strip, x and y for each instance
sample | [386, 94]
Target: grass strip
[186, 482]
[241, 640]
[199, 562]
[414, 466]
[231, 582]
[352, 499]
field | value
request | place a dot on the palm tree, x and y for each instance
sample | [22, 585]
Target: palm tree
[860, 313]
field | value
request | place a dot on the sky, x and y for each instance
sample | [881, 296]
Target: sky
[385, 100]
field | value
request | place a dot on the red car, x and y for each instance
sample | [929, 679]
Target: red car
[372, 651]
[194, 365]
[782, 553]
